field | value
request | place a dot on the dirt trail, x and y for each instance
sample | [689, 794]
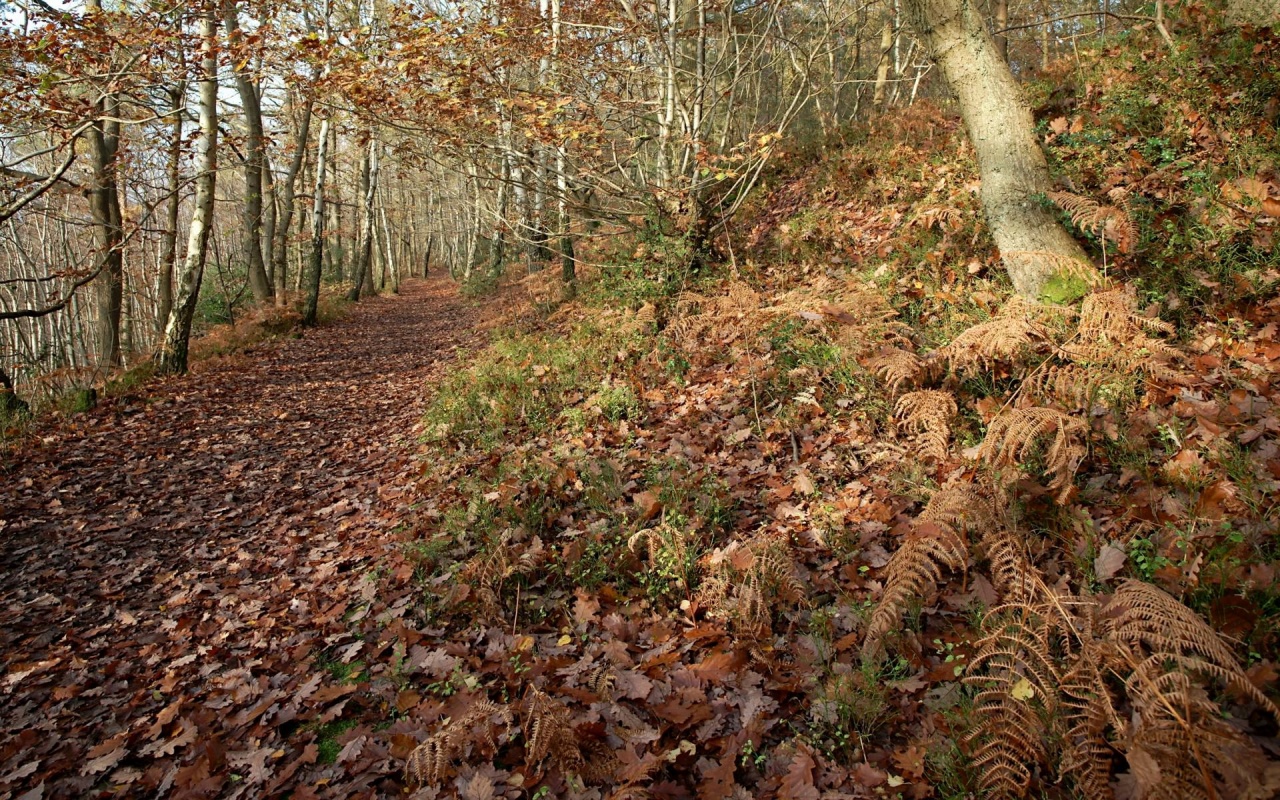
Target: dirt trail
[172, 568]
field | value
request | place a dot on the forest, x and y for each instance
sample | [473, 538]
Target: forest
[810, 399]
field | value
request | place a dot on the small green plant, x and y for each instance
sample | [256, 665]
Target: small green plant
[342, 672]
[848, 707]
[327, 736]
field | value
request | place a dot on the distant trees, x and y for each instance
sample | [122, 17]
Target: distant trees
[491, 133]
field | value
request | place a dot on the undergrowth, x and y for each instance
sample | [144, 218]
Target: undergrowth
[869, 511]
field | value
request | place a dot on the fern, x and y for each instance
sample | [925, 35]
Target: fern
[549, 733]
[1012, 573]
[914, 571]
[1104, 221]
[745, 581]
[1004, 337]
[928, 413]
[431, 761]
[1013, 437]
[1158, 631]
[1018, 680]
[896, 367]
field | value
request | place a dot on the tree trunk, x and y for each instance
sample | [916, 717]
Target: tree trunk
[177, 330]
[364, 249]
[882, 66]
[1012, 165]
[268, 221]
[104, 205]
[287, 188]
[1001, 22]
[169, 258]
[316, 264]
[251, 213]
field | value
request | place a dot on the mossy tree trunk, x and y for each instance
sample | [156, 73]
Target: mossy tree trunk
[1014, 172]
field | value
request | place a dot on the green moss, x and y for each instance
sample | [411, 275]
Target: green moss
[1063, 288]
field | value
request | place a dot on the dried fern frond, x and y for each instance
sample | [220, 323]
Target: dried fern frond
[854, 314]
[1070, 385]
[913, 572]
[488, 570]
[1160, 631]
[947, 218]
[1194, 753]
[1012, 573]
[928, 413]
[896, 366]
[962, 507]
[1088, 716]
[1017, 674]
[548, 732]
[1013, 436]
[1005, 337]
[744, 583]
[1104, 221]
[1113, 336]
[432, 760]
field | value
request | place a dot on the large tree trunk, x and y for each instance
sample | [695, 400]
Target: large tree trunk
[251, 213]
[177, 331]
[169, 257]
[287, 187]
[1012, 165]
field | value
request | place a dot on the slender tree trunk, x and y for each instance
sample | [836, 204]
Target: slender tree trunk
[316, 264]
[568, 261]
[364, 248]
[882, 66]
[287, 188]
[177, 331]
[104, 205]
[1001, 22]
[269, 214]
[251, 213]
[169, 257]
[1012, 165]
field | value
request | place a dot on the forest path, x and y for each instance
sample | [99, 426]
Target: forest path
[168, 565]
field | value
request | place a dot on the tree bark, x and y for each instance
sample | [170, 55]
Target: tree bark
[1014, 172]
[169, 257]
[364, 249]
[251, 213]
[1001, 22]
[104, 206]
[177, 331]
[316, 263]
[882, 66]
[268, 221]
[288, 185]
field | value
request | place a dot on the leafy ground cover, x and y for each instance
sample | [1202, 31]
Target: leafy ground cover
[186, 566]
[838, 517]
